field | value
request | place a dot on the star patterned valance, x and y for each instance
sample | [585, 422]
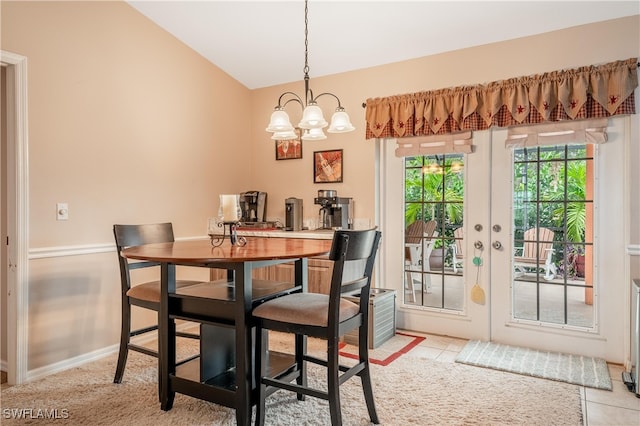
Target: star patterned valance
[575, 94]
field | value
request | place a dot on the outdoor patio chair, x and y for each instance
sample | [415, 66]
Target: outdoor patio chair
[536, 253]
[456, 248]
[419, 237]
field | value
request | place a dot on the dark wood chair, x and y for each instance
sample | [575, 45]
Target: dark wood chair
[145, 295]
[324, 316]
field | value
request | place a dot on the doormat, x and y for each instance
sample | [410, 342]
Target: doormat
[574, 369]
[389, 351]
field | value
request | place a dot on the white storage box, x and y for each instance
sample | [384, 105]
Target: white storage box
[382, 317]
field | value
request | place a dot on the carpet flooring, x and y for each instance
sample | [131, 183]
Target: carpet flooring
[414, 389]
[575, 369]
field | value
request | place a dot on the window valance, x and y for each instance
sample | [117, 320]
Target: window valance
[587, 92]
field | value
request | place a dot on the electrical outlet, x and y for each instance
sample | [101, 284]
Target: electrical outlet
[62, 211]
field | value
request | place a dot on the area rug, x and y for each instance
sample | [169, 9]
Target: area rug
[575, 369]
[412, 390]
[389, 351]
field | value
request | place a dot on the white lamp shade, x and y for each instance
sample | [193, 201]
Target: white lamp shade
[284, 136]
[340, 123]
[279, 122]
[312, 118]
[313, 135]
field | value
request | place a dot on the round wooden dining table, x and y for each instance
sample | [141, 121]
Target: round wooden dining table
[223, 308]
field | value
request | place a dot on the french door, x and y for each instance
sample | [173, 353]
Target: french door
[542, 303]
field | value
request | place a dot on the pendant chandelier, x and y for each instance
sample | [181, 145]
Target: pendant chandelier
[312, 121]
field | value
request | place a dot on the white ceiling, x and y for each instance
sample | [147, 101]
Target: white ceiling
[261, 43]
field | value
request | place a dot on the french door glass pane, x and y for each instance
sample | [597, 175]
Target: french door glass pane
[553, 235]
[434, 200]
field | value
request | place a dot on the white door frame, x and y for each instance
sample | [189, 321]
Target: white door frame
[17, 216]
[492, 321]
[473, 321]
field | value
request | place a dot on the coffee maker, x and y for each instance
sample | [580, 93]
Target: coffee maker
[253, 205]
[335, 212]
[293, 214]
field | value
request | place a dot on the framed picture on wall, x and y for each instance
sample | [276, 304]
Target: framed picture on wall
[289, 149]
[327, 166]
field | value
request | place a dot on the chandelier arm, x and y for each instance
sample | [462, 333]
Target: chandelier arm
[330, 94]
[295, 98]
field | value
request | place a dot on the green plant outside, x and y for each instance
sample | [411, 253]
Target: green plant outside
[435, 195]
[543, 203]
[549, 191]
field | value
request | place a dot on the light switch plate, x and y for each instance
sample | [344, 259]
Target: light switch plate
[62, 211]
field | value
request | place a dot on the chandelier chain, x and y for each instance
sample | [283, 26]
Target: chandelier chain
[306, 38]
[312, 118]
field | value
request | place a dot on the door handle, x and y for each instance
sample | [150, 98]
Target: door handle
[497, 245]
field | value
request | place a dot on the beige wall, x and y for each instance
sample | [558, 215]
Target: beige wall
[126, 124]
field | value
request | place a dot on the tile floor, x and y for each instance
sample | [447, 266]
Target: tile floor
[599, 407]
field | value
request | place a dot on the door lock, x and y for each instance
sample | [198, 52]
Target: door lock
[478, 245]
[497, 245]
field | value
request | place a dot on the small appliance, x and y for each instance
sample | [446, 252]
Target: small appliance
[293, 214]
[335, 212]
[253, 205]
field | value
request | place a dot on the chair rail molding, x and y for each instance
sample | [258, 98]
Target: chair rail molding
[83, 250]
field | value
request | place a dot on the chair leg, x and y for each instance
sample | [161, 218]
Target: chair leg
[159, 362]
[549, 272]
[261, 351]
[368, 394]
[426, 285]
[124, 340]
[365, 376]
[549, 267]
[333, 383]
[300, 351]
[410, 285]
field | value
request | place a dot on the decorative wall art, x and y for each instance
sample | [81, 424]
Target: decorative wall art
[327, 166]
[289, 149]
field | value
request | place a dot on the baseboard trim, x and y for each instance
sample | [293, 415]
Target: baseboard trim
[47, 370]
